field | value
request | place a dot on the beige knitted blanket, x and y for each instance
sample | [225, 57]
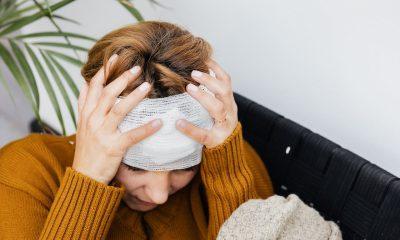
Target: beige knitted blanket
[279, 218]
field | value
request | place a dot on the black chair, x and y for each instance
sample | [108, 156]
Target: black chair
[362, 198]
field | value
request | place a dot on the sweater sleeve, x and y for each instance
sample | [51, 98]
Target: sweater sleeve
[227, 179]
[82, 209]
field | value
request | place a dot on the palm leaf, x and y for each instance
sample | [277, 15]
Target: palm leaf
[12, 19]
[66, 76]
[27, 70]
[7, 87]
[61, 45]
[19, 77]
[7, 6]
[47, 5]
[29, 19]
[60, 86]
[66, 19]
[47, 85]
[21, 3]
[55, 34]
[65, 57]
[13, 14]
[154, 2]
[129, 6]
[51, 18]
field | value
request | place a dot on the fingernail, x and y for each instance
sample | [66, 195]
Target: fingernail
[135, 69]
[196, 73]
[181, 123]
[156, 123]
[192, 87]
[113, 57]
[144, 86]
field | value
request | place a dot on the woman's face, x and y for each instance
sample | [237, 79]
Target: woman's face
[145, 190]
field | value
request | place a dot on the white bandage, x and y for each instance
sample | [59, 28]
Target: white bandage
[168, 148]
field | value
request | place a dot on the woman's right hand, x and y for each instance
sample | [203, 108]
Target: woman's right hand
[100, 146]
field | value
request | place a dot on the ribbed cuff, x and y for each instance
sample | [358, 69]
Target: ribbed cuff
[227, 159]
[82, 209]
[225, 171]
[227, 179]
[226, 154]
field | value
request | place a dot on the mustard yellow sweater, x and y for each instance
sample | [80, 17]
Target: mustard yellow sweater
[42, 197]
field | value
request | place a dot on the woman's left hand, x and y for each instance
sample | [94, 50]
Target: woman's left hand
[222, 107]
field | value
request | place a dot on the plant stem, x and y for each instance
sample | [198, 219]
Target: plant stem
[50, 17]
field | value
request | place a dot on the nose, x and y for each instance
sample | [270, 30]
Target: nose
[158, 187]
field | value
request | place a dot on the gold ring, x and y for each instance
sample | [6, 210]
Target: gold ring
[223, 120]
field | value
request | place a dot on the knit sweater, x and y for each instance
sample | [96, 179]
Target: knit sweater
[42, 197]
[278, 217]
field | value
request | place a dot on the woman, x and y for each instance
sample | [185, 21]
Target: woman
[77, 187]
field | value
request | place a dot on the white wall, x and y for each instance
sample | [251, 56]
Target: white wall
[332, 66]
[15, 112]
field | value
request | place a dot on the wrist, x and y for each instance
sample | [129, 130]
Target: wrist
[236, 130]
[92, 175]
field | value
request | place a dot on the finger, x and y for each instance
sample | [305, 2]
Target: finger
[214, 106]
[136, 135]
[82, 99]
[219, 72]
[99, 78]
[114, 89]
[196, 133]
[222, 91]
[96, 86]
[121, 109]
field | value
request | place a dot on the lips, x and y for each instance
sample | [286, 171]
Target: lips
[144, 202]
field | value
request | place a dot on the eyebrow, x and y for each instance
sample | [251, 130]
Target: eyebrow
[133, 168]
[140, 169]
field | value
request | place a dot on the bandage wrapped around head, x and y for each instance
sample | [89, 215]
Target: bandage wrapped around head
[168, 148]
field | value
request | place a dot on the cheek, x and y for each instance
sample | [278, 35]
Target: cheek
[180, 180]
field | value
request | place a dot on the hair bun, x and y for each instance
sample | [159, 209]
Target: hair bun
[166, 53]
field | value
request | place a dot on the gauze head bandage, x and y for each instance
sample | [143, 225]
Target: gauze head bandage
[168, 148]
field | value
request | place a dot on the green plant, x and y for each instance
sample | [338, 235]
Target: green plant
[16, 49]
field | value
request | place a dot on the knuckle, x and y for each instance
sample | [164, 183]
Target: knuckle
[93, 81]
[125, 77]
[148, 129]
[227, 77]
[209, 77]
[107, 93]
[235, 108]
[118, 111]
[80, 108]
[133, 138]
[225, 92]
[84, 115]
[203, 139]
[187, 131]
[91, 125]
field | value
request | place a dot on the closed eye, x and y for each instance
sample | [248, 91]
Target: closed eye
[192, 168]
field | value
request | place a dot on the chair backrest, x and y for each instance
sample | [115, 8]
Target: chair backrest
[362, 198]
